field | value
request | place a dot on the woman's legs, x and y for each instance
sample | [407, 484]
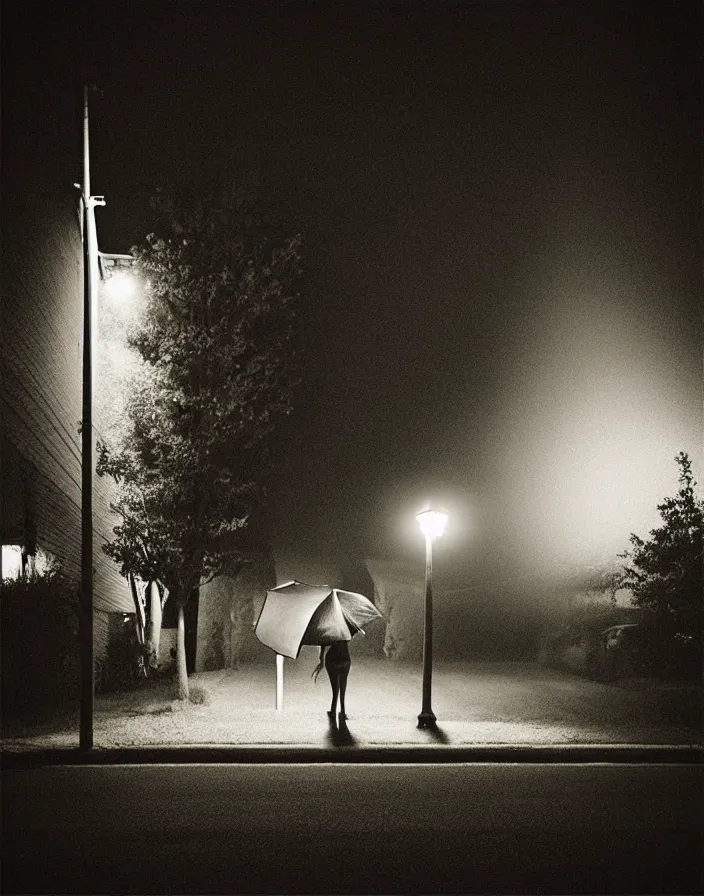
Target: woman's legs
[335, 685]
[343, 688]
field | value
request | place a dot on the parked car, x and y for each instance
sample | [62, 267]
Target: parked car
[602, 654]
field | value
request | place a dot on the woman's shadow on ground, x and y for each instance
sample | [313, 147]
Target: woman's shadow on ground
[339, 735]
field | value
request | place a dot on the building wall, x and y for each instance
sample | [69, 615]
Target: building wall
[41, 373]
[40, 348]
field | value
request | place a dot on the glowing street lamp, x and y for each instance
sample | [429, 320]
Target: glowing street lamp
[121, 286]
[432, 525]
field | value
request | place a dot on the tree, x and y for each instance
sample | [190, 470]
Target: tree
[119, 368]
[665, 573]
[218, 341]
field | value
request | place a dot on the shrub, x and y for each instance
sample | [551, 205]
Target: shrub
[665, 574]
[40, 656]
[667, 655]
[198, 694]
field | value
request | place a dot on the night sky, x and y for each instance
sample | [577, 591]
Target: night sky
[500, 204]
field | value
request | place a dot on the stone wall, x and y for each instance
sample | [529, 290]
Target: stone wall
[229, 609]
[399, 595]
[227, 612]
[167, 643]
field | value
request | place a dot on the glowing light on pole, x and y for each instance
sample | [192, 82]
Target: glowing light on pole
[432, 525]
[121, 286]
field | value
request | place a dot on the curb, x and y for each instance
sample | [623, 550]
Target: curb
[575, 754]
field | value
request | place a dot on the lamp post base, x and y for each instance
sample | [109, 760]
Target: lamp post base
[427, 719]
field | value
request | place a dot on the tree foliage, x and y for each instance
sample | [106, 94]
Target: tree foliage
[218, 340]
[665, 572]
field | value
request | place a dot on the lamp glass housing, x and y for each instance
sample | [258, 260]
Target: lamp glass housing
[121, 286]
[432, 522]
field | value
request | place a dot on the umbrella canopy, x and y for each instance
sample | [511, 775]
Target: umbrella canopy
[295, 614]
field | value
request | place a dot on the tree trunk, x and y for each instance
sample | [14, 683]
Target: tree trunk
[138, 606]
[154, 614]
[181, 671]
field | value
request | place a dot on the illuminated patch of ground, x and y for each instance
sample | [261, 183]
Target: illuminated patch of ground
[479, 703]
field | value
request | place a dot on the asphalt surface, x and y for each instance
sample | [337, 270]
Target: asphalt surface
[329, 828]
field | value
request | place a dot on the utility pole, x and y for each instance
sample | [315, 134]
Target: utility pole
[87, 454]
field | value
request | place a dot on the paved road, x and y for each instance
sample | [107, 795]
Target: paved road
[353, 829]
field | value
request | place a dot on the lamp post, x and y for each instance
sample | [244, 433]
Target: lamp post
[90, 268]
[432, 525]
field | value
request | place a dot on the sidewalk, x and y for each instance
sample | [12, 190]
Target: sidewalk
[507, 712]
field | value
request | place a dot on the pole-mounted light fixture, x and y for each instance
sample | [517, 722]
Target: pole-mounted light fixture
[432, 524]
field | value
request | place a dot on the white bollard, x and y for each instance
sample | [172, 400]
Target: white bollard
[279, 681]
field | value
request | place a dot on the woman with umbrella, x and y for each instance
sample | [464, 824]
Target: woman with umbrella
[296, 613]
[336, 659]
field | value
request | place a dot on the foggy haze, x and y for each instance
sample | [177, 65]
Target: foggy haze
[500, 206]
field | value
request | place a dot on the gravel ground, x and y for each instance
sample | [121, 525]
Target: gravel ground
[475, 704]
